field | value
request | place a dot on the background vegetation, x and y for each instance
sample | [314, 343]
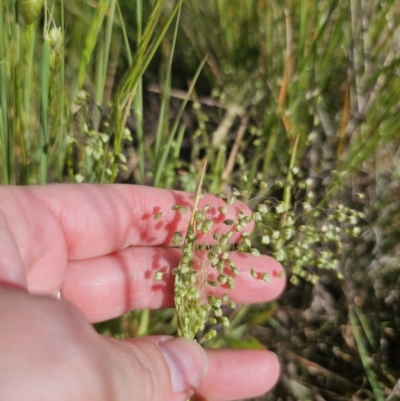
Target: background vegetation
[302, 97]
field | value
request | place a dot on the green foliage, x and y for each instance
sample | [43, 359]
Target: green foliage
[58, 63]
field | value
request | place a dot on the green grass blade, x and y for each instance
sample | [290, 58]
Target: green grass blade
[4, 78]
[171, 136]
[90, 41]
[44, 96]
[163, 119]
[359, 337]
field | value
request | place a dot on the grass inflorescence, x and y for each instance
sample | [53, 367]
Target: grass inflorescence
[195, 308]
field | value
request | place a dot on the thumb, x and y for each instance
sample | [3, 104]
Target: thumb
[158, 368]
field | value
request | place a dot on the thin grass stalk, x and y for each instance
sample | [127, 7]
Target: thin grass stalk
[366, 325]
[130, 79]
[130, 82]
[358, 336]
[4, 145]
[102, 66]
[144, 321]
[44, 96]
[139, 96]
[62, 145]
[163, 119]
[90, 42]
[127, 89]
[165, 153]
[170, 180]
[13, 112]
[28, 118]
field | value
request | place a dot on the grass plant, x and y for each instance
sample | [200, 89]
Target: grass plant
[295, 106]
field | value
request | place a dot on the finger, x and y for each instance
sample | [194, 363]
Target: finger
[100, 219]
[53, 223]
[107, 287]
[157, 368]
[160, 368]
[238, 374]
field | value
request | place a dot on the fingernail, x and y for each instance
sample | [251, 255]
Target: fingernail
[187, 363]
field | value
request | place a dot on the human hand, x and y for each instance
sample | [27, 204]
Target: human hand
[101, 246]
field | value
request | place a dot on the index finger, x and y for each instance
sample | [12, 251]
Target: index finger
[97, 220]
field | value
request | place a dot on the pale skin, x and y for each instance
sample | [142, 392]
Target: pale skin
[100, 245]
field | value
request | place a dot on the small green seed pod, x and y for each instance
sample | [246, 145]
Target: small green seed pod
[262, 208]
[199, 216]
[30, 10]
[186, 259]
[235, 192]
[231, 283]
[216, 249]
[265, 239]
[206, 208]
[207, 308]
[217, 236]
[254, 274]
[194, 293]
[217, 303]
[247, 241]
[191, 236]
[232, 304]
[235, 270]
[210, 335]
[231, 200]
[256, 216]
[214, 261]
[220, 265]
[239, 227]
[183, 268]
[207, 226]
[280, 208]
[223, 240]
[157, 216]
[177, 238]
[222, 278]
[265, 277]
[158, 276]
[255, 252]
[183, 209]
[276, 234]
[218, 312]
